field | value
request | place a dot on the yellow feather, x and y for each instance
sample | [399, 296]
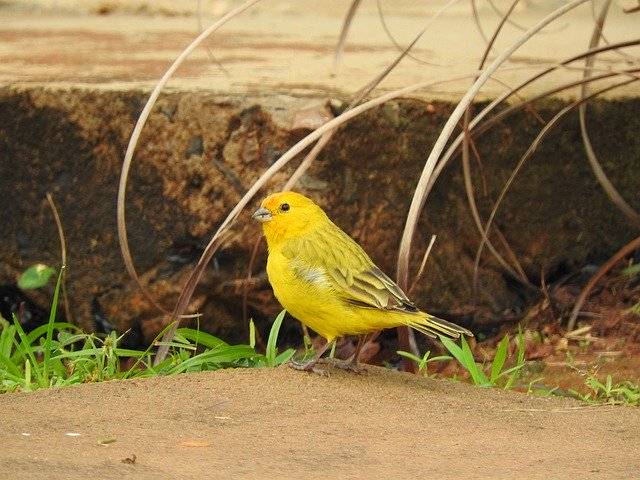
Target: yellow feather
[326, 280]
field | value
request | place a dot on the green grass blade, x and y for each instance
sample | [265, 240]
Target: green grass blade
[125, 352]
[201, 338]
[440, 358]
[465, 357]
[252, 333]
[7, 336]
[213, 359]
[272, 349]
[85, 352]
[479, 378]
[52, 318]
[499, 359]
[9, 367]
[285, 356]
[41, 330]
[410, 356]
[26, 353]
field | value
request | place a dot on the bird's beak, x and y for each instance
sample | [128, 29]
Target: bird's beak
[262, 215]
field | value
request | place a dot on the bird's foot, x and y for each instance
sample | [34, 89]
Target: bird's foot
[349, 366]
[310, 366]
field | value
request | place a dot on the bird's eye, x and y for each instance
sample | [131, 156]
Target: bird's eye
[285, 207]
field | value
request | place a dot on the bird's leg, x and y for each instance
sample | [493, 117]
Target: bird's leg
[352, 363]
[310, 365]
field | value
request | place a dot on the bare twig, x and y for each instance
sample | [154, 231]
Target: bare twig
[359, 96]
[632, 9]
[245, 290]
[210, 54]
[476, 130]
[133, 141]
[337, 58]
[619, 255]
[423, 264]
[476, 19]
[544, 288]
[419, 196]
[396, 44]
[466, 167]
[522, 28]
[534, 145]
[598, 171]
[63, 257]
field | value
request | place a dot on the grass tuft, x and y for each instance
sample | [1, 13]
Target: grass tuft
[60, 354]
[498, 375]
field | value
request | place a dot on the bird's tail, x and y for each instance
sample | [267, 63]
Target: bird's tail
[434, 326]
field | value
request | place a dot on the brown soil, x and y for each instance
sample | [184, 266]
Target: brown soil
[261, 423]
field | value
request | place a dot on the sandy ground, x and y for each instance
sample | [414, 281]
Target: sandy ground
[263, 423]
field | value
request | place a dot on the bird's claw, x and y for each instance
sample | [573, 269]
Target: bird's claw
[310, 366]
[349, 366]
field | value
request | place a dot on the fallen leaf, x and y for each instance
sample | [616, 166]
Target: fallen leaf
[130, 460]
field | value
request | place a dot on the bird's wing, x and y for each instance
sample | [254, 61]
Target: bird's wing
[347, 268]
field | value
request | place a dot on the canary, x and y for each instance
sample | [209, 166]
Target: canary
[325, 279]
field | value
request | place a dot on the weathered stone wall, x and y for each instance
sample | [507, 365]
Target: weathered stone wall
[200, 152]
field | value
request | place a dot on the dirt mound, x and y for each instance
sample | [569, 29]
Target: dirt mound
[264, 422]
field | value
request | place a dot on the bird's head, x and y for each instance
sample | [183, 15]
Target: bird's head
[285, 215]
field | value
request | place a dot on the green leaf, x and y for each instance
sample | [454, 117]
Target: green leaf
[36, 276]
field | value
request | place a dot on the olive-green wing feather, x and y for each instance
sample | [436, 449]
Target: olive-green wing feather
[329, 256]
[348, 269]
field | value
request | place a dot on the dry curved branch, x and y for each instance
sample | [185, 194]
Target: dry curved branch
[63, 256]
[532, 148]
[466, 168]
[135, 135]
[522, 28]
[619, 255]
[210, 54]
[419, 196]
[476, 130]
[337, 58]
[596, 167]
[476, 19]
[359, 96]
[396, 44]
[423, 264]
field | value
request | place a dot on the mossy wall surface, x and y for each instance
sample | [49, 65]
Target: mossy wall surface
[199, 153]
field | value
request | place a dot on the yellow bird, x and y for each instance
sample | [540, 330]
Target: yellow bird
[325, 279]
